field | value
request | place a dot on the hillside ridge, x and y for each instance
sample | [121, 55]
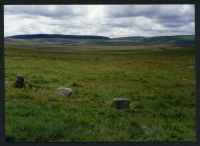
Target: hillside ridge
[37, 36]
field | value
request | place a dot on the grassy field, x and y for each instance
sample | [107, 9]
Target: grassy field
[159, 80]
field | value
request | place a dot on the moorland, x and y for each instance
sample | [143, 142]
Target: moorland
[157, 74]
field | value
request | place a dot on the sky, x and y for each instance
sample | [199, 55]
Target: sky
[103, 20]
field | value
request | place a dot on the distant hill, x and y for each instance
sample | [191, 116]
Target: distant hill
[61, 36]
[187, 40]
[78, 40]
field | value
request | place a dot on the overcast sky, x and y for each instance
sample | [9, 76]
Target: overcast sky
[103, 20]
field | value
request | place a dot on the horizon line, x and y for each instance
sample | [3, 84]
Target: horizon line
[99, 35]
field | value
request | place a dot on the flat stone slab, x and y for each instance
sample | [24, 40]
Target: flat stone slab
[121, 102]
[62, 91]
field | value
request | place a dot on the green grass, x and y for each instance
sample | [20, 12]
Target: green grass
[157, 79]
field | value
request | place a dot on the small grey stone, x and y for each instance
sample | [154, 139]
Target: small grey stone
[121, 102]
[19, 83]
[62, 91]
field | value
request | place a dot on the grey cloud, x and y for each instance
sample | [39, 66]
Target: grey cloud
[173, 24]
[137, 23]
[46, 10]
[153, 11]
[126, 11]
[117, 20]
[172, 18]
[175, 13]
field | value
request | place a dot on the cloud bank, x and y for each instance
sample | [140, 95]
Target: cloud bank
[104, 20]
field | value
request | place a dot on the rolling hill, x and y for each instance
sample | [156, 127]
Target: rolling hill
[187, 40]
[46, 36]
[59, 40]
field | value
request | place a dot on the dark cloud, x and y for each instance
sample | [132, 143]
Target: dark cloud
[170, 14]
[127, 11]
[172, 24]
[46, 10]
[150, 11]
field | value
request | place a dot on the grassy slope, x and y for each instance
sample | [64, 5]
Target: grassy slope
[160, 84]
[182, 40]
